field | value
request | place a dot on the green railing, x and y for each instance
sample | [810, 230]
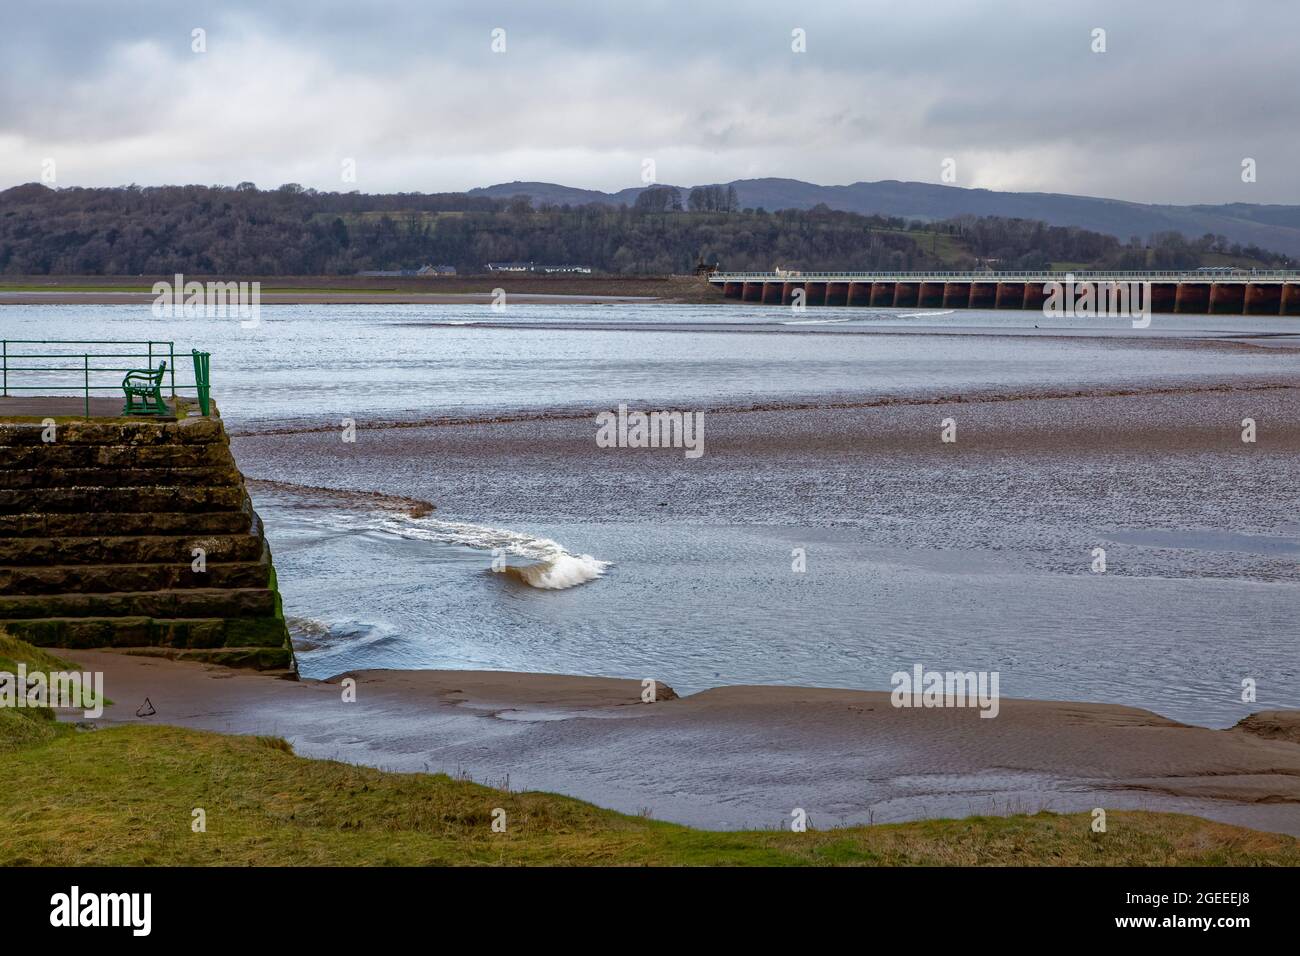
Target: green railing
[16, 356]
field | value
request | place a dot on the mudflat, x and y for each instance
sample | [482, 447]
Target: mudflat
[738, 756]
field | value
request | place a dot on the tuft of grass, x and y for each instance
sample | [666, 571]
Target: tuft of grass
[14, 652]
[27, 727]
[275, 743]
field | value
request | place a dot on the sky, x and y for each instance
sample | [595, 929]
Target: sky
[412, 96]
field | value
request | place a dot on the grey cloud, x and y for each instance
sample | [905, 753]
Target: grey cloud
[710, 90]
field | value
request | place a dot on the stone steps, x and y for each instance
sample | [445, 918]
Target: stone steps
[100, 578]
[135, 433]
[99, 520]
[128, 549]
[118, 523]
[270, 659]
[204, 476]
[89, 632]
[185, 602]
[60, 455]
[92, 498]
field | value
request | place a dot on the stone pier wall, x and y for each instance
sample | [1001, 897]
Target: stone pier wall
[135, 533]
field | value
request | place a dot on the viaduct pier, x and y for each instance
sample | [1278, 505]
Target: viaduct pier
[1208, 291]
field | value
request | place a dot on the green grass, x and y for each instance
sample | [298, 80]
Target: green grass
[23, 728]
[14, 652]
[15, 731]
[1240, 262]
[948, 248]
[127, 796]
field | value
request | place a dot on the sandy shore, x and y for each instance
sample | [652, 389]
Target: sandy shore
[739, 756]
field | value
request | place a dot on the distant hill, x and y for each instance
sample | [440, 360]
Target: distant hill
[289, 230]
[1274, 227]
[571, 195]
[559, 195]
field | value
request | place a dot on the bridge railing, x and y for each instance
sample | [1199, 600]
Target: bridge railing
[84, 366]
[1148, 275]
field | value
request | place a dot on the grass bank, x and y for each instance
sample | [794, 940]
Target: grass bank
[127, 795]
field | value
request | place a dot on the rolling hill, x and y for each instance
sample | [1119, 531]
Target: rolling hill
[1275, 227]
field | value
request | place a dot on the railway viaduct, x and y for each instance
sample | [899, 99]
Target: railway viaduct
[1228, 292]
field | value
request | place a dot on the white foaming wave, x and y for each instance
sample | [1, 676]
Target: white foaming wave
[921, 315]
[554, 569]
[836, 321]
[564, 571]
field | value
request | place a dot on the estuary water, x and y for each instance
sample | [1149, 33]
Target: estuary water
[828, 536]
[314, 364]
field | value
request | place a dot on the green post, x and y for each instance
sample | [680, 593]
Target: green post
[202, 378]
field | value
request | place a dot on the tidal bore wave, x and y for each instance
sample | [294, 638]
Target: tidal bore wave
[552, 568]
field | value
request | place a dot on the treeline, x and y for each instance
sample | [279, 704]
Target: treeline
[1027, 244]
[243, 230]
[638, 241]
[700, 199]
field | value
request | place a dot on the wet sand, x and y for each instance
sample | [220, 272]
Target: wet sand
[739, 756]
[758, 464]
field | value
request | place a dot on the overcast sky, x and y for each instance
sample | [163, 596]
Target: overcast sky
[412, 92]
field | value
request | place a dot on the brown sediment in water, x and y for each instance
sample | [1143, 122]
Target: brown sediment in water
[971, 397]
[412, 507]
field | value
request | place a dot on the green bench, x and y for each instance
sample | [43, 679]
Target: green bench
[143, 388]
